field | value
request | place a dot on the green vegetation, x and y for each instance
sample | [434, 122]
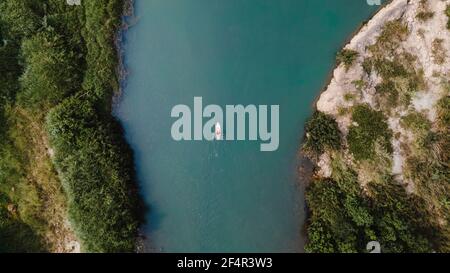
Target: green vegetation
[344, 218]
[447, 12]
[49, 75]
[349, 96]
[424, 13]
[416, 122]
[419, 125]
[60, 149]
[322, 133]
[400, 76]
[359, 84]
[96, 170]
[443, 111]
[13, 233]
[428, 165]
[370, 128]
[389, 94]
[438, 51]
[33, 193]
[347, 57]
[393, 33]
[400, 79]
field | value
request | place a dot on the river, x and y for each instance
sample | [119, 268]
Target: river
[226, 196]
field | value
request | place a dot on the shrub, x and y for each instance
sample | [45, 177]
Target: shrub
[96, 168]
[21, 17]
[447, 12]
[331, 229]
[371, 127]
[320, 240]
[401, 221]
[343, 220]
[347, 57]
[392, 34]
[417, 122]
[424, 15]
[322, 133]
[389, 93]
[423, 11]
[400, 79]
[349, 96]
[390, 69]
[443, 112]
[438, 51]
[50, 74]
[101, 59]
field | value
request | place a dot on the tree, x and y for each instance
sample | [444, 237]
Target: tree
[322, 133]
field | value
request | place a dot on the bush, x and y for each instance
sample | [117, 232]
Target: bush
[101, 59]
[21, 17]
[371, 127]
[438, 51]
[343, 220]
[400, 219]
[320, 240]
[393, 32]
[424, 13]
[389, 93]
[417, 122]
[331, 230]
[443, 112]
[96, 169]
[447, 12]
[50, 74]
[347, 57]
[400, 80]
[322, 133]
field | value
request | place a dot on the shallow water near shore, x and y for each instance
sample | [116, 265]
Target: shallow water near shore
[226, 196]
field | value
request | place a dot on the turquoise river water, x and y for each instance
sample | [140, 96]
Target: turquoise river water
[226, 196]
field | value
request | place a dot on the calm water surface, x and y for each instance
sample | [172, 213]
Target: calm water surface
[227, 196]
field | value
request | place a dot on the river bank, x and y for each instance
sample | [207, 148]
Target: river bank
[392, 76]
[129, 19]
[63, 155]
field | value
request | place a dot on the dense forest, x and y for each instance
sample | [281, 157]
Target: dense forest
[63, 157]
